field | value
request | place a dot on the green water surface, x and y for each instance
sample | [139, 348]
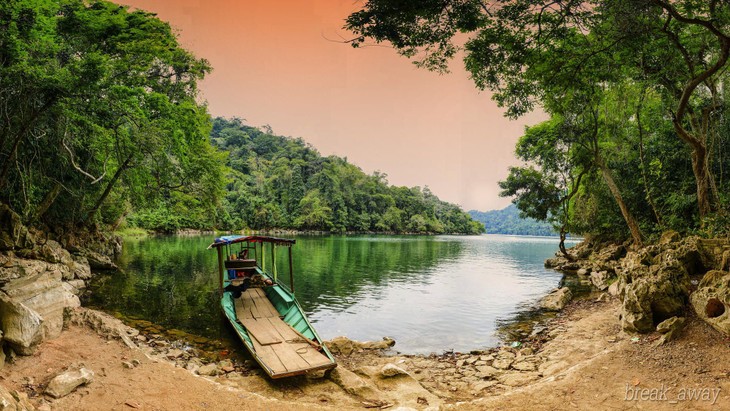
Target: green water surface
[429, 293]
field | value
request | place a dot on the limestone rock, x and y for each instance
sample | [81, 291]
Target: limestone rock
[63, 384]
[524, 366]
[710, 300]
[21, 326]
[14, 400]
[80, 268]
[653, 294]
[209, 369]
[104, 325]
[601, 279]
[556, 300]
[383, 344]
[516, 379]
[45, 294]
[669, 237]
[346, 346]
[392, 370]
[487, 372]
[670, 325]
[583, 272]
[351, 383]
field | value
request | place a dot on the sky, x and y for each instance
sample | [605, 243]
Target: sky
[284, 64]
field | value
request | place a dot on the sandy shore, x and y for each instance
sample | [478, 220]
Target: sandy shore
[580, 361]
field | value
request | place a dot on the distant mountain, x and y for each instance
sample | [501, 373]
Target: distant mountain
[508, 221]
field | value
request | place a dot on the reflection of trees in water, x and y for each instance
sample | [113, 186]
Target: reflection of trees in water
[332, 270]
[172, 281]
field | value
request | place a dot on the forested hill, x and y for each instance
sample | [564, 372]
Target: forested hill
[508, 221]
[278, 182]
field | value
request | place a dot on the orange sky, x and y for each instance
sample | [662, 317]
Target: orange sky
[280, 63]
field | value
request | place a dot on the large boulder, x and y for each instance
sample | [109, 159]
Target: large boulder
[44, 294]
[652, 294]
[711, 300]
[557, 300]
[22, 327]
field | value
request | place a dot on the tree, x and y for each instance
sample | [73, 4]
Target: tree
[100, 100]
[536, 52]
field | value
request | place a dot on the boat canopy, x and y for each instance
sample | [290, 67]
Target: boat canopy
[233, 239]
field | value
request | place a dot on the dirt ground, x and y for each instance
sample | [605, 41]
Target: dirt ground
[587, 363]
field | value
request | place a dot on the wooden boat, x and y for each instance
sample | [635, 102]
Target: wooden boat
[267, 318]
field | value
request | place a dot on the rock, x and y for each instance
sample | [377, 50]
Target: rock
[601, 279]
[208, 370]
[669, 237]
[384, 344]
[346, 346]
[13, 234]
[98, 261]
[104, 325]
[14, 400]
[62, 384]
[617, 288]
[611, 252]
[45, 294]
[174, 354]
[391, 370]
[670, 328]
[483, 385]
[80, 267]
[556, 300]
[710, 300]
[351, 383]
[653, 294]
[516, 379]
[127, 364]
[524, 366]
[22, 327]
[487, 372]
[583, 272]
[502, 363]
[670, 325]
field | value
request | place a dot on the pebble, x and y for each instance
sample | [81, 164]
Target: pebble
[127, 364]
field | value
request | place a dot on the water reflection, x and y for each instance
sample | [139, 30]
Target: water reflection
[429, 293]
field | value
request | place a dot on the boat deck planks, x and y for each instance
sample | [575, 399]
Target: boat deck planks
[254, 304]
[276, 343]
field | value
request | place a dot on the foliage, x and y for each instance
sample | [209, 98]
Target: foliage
[102, 117]
[282, 182]
[509, 221]
[635, 91]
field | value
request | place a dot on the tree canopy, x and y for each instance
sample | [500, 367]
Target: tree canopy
[635, 91]
[100, 114]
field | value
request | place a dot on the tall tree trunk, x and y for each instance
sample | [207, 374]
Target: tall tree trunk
[563, 235]
[108, 188]
[703, 179]
[628, 217]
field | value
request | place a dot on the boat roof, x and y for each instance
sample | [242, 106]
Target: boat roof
[232, 239]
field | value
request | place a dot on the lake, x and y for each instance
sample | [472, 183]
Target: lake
[429, 293]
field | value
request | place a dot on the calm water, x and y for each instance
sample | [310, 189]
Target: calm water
[430, 294]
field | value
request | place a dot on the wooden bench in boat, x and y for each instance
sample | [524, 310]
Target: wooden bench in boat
[276, 343]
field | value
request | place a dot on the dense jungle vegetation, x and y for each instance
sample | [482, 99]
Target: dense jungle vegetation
[508, 221]
[637, 136]
[102, 127]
